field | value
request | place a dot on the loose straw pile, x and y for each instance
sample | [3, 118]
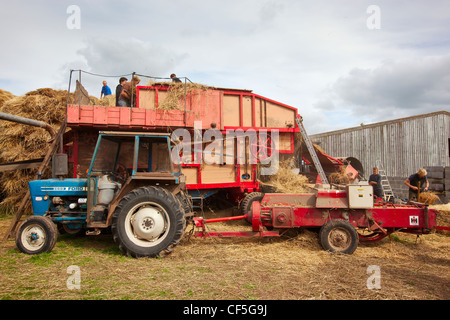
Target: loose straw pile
[22, 142]
[177, 92]
[286, 181]
[428, 197]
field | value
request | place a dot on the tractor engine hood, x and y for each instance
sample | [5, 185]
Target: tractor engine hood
[42, 191]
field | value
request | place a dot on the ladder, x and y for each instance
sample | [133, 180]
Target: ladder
[388, 194]
[311, 150]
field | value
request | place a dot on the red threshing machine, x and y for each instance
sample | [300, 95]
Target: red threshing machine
[345, 215]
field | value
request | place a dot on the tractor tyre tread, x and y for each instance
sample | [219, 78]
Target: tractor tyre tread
[169, 201]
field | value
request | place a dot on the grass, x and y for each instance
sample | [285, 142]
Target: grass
[223, 269]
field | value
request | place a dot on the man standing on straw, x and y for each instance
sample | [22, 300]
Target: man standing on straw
[128, 90]
[119, 89]
[106, 91]
[174, 78]
[416, 181]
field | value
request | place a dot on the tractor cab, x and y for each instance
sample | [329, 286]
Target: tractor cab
[123, 161]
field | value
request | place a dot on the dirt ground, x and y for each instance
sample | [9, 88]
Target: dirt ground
[293, 267]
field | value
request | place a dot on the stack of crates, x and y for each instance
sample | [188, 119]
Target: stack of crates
[439, 180]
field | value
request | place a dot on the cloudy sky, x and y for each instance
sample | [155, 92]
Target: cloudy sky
[341, 63]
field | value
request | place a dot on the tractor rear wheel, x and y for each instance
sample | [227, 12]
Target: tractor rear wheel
[338, 236]
[148, 222]
[35, 235]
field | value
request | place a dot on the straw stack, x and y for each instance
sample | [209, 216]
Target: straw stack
[21, 142]
[443, 219]
[5, 96]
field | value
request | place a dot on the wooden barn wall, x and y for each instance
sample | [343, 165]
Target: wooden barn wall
[403, 146]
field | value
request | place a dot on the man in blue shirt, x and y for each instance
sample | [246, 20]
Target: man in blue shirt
[375, 181]
[106, 91]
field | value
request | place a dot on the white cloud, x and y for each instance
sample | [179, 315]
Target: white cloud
[394, 89]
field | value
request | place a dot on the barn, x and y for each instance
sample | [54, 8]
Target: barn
[399, 148]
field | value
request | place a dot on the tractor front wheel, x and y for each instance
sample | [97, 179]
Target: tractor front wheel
[148, 222]
[35, 235]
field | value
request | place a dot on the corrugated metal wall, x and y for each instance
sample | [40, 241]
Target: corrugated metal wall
[403, 145]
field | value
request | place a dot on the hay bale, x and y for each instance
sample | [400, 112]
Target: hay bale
[443, 219]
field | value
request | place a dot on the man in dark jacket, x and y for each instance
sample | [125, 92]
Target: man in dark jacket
[119, 89]
[375, 181]
[416, 181]
[174, 78]
[128, 91]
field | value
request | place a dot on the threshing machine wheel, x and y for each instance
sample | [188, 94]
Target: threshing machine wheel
[338, 236]
[246, 204]
[263, 148]
[148, 222]
[35, 235]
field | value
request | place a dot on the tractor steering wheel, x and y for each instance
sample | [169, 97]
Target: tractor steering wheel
[121, 173]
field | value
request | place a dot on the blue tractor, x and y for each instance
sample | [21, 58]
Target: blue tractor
[134, 188]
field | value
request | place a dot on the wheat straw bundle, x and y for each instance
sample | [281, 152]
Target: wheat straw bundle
[106, 101]
[177, 92]
[443, 219]
[285, 180]
[5, 96]
[428, 197]
[22, 142]
[339, 177]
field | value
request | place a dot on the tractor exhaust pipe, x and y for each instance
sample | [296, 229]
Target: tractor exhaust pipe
[30, 122]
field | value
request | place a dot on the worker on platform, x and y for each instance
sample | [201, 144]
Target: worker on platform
[375, 181]
[119, 89]
[174, 78]
[128, 90]
[417, 183]
[106, 91]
